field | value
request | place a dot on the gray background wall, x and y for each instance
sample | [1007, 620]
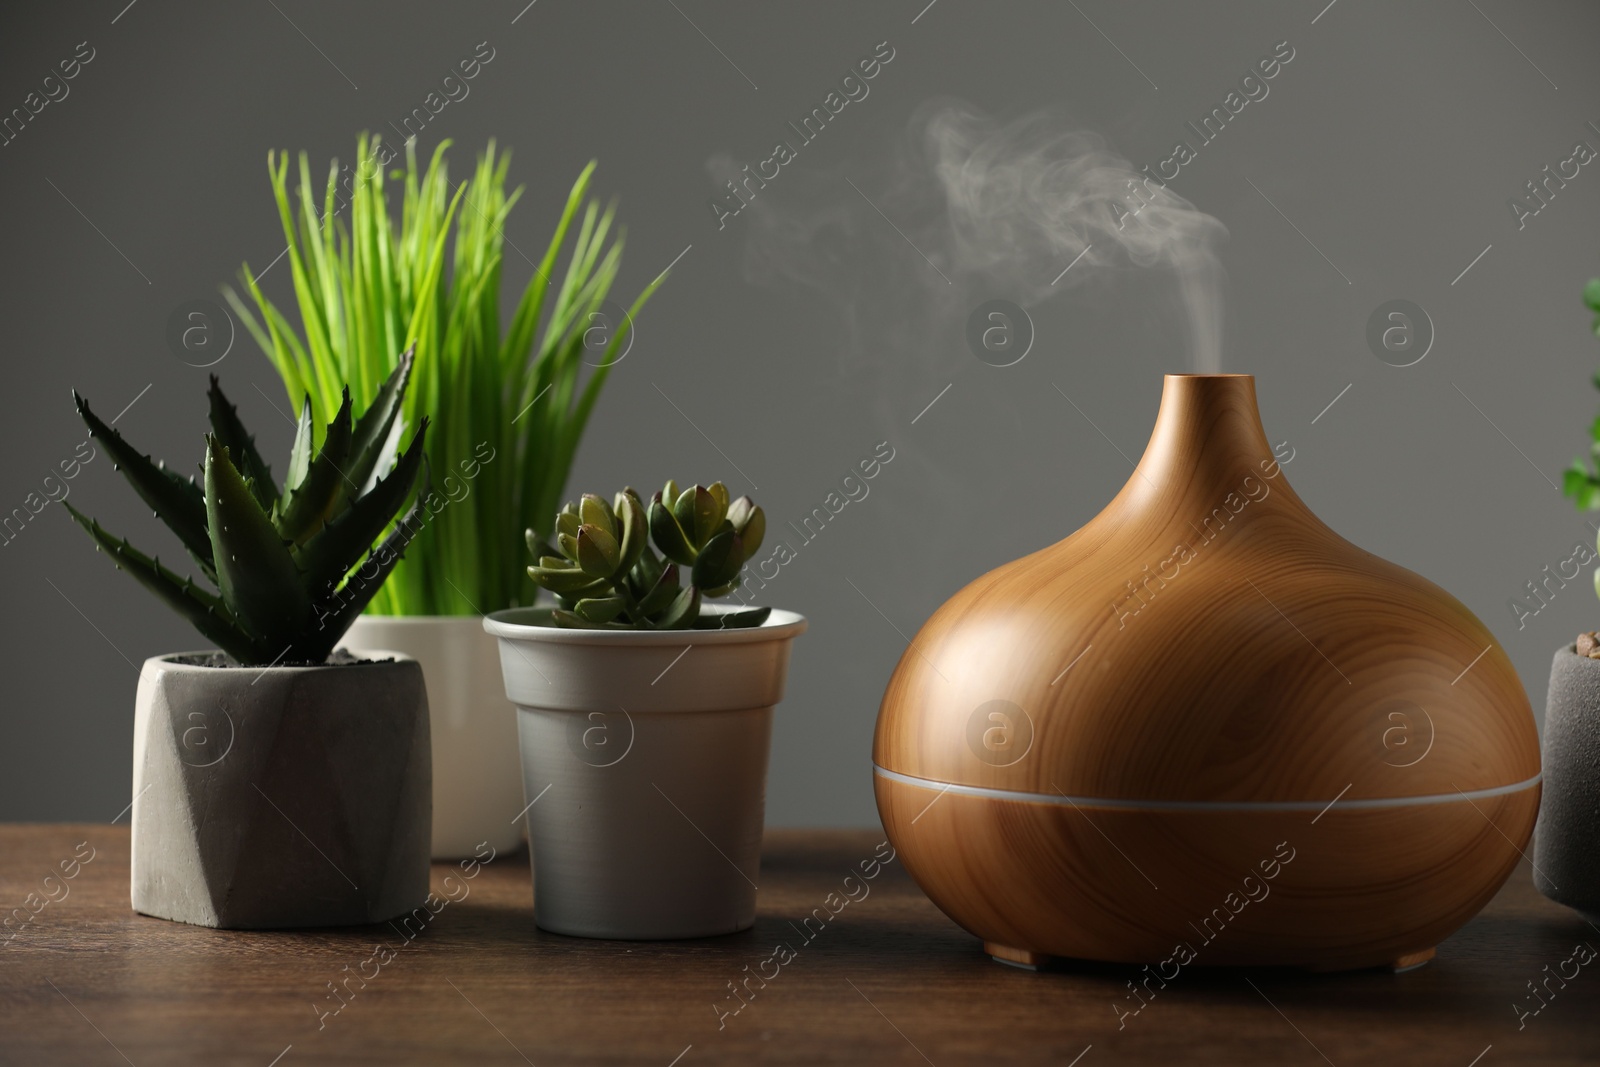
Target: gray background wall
[1392, 141]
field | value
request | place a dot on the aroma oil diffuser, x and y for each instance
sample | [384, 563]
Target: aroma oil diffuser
[1207, 729]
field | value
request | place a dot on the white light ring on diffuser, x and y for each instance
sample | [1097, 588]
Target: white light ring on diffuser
[1206, 805]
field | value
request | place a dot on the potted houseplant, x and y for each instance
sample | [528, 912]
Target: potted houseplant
[510, 405]
[1566, 855]
[276, 785]
[645, 715]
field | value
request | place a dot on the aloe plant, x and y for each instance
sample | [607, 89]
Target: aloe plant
[292, 568]
[605, 573]
[369, 282]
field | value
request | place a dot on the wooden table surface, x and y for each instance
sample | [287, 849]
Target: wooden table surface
[889, 979]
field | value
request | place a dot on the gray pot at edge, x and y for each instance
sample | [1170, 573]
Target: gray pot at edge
[1566, 851]
[644, 762]
[280, 796]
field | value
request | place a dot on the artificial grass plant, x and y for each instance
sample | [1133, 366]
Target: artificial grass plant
[508, 406]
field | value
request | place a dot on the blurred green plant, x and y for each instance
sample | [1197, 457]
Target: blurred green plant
[284, 563]
[1581, 481]
[368, 287]
[605, 574]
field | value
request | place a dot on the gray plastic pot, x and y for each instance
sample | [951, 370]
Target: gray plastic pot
[280, 796]
[644, 764]
[1566, 850]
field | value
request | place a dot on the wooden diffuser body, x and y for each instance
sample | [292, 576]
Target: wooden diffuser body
[1206, 729]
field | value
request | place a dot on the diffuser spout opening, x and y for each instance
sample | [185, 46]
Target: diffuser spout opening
[1207, 436]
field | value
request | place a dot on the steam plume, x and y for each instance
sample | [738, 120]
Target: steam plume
[1002, 208]
[1030, 194]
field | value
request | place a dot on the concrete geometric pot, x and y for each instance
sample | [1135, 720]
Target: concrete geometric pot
[280, 796]
[1566, 851]
[477, 782]
[644, 762]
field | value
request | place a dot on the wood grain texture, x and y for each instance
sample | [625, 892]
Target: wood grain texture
[167, 994]
[1264, 668]
[1206, 638]
[1354, 888]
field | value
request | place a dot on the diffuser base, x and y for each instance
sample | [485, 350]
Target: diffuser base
[1016, 957]
[1412, 960]
[1028, 960]
[1400, 964]
[1259, 887]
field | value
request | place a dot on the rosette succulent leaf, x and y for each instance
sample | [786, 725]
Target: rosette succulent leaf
[292, 568]
[620, 565]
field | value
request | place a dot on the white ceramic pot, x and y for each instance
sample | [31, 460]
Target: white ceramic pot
[280, 796]
[644, 765]
[477, 786]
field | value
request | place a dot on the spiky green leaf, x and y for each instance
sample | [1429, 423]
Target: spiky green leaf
[375, 438]
[205, 612]
[335, 613]
[241, 446]
[257, 576]
[178, 502]
[326, 484]
[302, 450]
[341, 543]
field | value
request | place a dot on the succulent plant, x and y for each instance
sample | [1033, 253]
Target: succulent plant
[281, 562]
[606, 574]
